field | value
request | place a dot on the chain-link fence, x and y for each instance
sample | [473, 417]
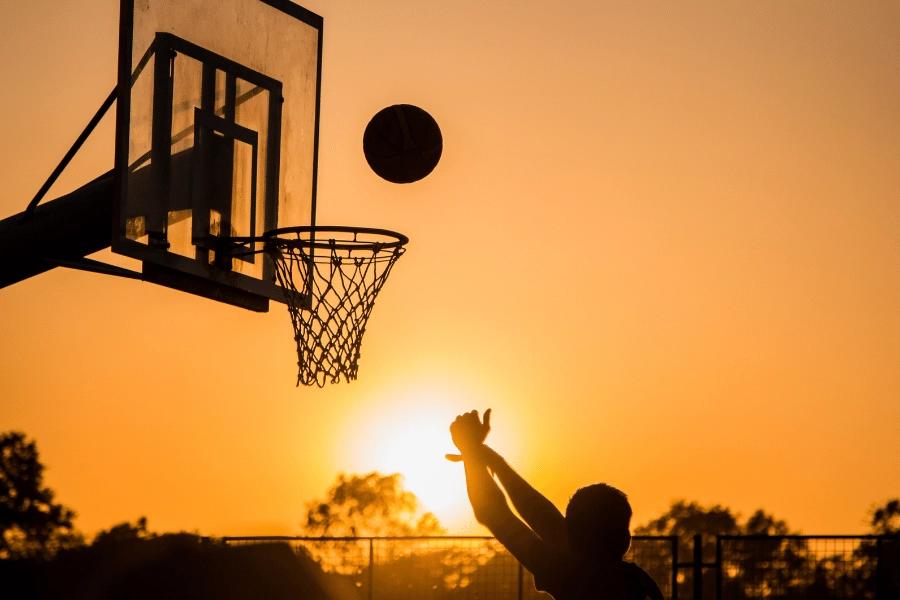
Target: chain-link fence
[808, 567]
[658, 556]
[479, 568]
[444, 568]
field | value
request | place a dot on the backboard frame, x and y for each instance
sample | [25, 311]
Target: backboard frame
[178, 271]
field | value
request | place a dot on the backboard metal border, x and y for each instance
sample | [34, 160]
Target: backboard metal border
[176, 271]
[298, 12]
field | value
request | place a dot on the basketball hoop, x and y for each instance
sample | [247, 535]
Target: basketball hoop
[331, 276]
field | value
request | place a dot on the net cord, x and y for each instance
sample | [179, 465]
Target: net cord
[341, 281]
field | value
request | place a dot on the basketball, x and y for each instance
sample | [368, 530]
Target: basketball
[402, 143]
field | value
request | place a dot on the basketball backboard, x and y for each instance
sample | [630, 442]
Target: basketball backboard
[217, 137]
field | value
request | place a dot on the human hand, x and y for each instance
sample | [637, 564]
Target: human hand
[469, 432]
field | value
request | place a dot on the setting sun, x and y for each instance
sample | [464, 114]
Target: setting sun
[411, 437]
[417, 452]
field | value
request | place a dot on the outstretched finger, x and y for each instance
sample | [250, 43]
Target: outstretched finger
[487, 421]
[454, 457]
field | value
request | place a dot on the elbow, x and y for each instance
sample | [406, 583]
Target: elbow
[482, 515]
[491, 516]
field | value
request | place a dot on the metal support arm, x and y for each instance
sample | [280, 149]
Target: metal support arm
[94, 266]
[66, 229]
[70, 155]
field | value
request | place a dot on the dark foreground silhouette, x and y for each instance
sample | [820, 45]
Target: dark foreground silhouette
[171, 566]
[573, 557]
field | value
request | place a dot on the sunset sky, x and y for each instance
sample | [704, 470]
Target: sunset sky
[663, 244]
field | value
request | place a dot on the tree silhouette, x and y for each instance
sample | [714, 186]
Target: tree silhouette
[32, 525]
[687, 519]
[123, 533]
[369, 505]
[885, 520]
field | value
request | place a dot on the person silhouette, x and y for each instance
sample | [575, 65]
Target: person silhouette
[573, 557]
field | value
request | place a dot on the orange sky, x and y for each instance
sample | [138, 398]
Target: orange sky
[663, 243]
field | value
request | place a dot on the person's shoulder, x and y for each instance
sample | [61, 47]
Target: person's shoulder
[585, 579]
[555, 570]
[614, 579]
[643, 585]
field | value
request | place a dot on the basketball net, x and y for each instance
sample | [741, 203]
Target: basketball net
[331, 288]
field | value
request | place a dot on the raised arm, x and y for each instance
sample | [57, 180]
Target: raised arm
[539, 513]
[488, 502]
[539, 556]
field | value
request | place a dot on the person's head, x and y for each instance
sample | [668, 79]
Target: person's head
[598, 519]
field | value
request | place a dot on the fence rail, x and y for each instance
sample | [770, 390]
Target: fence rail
[479, 568]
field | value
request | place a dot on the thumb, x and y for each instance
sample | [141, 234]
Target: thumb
[454, 457]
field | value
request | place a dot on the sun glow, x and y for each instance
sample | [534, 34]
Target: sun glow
[412, 439]
[418, 453]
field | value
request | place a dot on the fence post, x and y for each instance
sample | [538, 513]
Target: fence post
[521, 581]
[718, 567]
[675, 568]
[879, 572]
[371, 568]
[698, 568]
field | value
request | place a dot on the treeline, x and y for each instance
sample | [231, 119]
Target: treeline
[43, 555]
[127, 562]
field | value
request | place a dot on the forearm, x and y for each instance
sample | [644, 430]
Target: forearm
[540, 514]
[492, 511]
[487, 499]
